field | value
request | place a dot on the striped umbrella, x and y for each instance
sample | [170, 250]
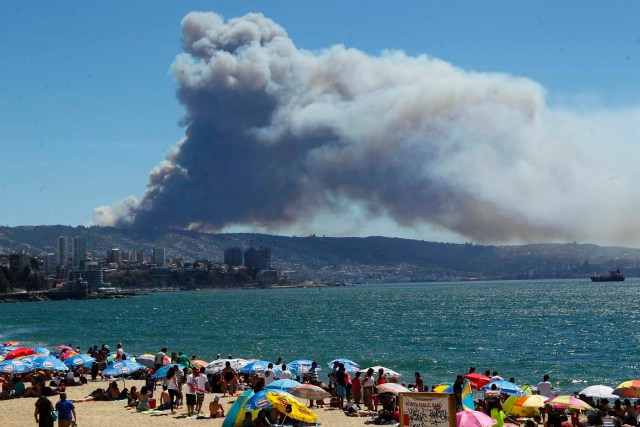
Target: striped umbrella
[629, 388]
[147, 360]
[310, 392]
[524, 406]
[392, 388]
[568, 402]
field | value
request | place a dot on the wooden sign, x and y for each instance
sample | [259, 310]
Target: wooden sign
[427, 410]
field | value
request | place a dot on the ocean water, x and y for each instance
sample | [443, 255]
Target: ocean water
[580, 333]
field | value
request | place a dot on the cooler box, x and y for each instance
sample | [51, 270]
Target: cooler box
[152, 403]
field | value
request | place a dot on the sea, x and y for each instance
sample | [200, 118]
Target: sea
[578, 332]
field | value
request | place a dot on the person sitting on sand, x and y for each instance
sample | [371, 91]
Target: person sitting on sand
[262, 420]
[258, 385]
[248, 422]
[132, 397]
[19, 389]
[215, 408]
[113, 392]
[143, 399]
[165, 399]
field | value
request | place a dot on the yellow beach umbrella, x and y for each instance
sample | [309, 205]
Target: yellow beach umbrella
[524, 406]
[291, 407]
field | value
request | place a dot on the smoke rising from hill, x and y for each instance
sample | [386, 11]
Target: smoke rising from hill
[277, 137]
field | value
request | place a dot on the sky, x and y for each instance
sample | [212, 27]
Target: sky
[88, 104]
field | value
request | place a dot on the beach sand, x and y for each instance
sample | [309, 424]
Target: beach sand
[19, 412]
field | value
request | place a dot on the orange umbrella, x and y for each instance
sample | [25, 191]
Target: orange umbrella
[199, 363]
[9, 343]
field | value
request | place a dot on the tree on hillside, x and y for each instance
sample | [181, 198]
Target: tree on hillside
[5, 285]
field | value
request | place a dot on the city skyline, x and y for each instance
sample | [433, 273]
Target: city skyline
[91, 116]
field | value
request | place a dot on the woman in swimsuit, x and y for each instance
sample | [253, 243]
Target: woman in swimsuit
[228, 379]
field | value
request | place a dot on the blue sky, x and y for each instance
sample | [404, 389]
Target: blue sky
[88, 107]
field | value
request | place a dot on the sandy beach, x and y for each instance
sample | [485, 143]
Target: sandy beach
[19, 412]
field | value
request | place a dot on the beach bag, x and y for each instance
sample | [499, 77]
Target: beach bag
[54, 415]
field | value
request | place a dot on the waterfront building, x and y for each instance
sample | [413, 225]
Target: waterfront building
[158, 258]
[62, 250]
[79, 250]
[233, 256]
[92, 273]
[267, 277]
[258, 259]
[49, 263]
[18, 262]
[114, 256]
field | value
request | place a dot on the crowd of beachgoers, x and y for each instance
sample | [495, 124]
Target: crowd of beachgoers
[174, 382]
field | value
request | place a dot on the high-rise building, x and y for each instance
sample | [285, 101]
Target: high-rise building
[258, 259]
[114, 256]
[158, 257]
[233, 256]
[49, 263]
[63, 250]
[18, 262]
[79, 250]
[92, 273]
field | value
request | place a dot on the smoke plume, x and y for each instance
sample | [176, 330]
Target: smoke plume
[277, 137]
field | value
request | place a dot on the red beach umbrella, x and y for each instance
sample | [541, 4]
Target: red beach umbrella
[477, 380]
[20, 352]
[629, 388]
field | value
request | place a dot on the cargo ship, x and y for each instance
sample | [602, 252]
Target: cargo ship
[614, 276]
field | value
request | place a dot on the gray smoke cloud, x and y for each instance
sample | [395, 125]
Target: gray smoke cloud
[277, 137]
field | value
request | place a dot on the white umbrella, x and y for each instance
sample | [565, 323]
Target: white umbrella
[387, 372]
[219, 364]
[599, 391]
[308, 391]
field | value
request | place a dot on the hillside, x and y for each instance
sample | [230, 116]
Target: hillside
[370, 259]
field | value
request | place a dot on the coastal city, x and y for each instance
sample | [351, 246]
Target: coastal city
[73, 273]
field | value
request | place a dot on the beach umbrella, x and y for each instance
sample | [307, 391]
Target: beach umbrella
[300, 366]
[49, 363]
[599, 391]
[629, 388]
[446, 387]
[474, 419]
[11, 344]
[78, 360]
[503, 387]
[219, 364]
[19, 352]
[310, 392]
[199, 363]
[387, 372]
[568, 402]
[258, 367]
[122, 368]
[15, 367]
[392, 388]
[60, 348]
[282, 385]
[259, 400]
[477, 380]
[42, 350]
[68, 354]
[349, 365]
[235, 415]
[162, 372]
[147, 360]
[291, 407]
[524, 406]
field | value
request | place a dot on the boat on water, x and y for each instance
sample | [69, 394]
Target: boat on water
[614, 276]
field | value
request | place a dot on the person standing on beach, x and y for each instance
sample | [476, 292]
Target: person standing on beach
[356, 388]
[419, 382]
[313, 378]
[43, 412]
[545, 387]
[269, 375]
[285, 374]
[66, 411]
[172, 387]
[381, 378]
[457, 392]
[203, 385]
[192, 385]
[367, 389]
[159, 361]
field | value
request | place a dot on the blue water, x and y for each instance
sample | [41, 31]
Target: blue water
[580, 333]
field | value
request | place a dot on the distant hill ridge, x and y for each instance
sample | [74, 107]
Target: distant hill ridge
[367, 259]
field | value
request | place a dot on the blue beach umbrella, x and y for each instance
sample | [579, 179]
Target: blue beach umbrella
[79, 360]
[122, 369]
[42, 350]
[258, 367]
[162, 372]
[15, 367]
[282, 385]
[49, 363]
[300, 366]
[259, 400]
[349, 365]
[504, 387]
